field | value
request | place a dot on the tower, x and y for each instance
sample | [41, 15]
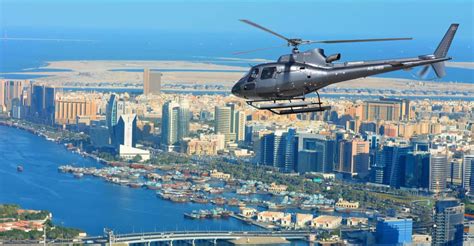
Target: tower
[448, 223]
[151, 82]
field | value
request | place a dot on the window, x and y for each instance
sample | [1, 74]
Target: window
[268, 72]
[253, 75]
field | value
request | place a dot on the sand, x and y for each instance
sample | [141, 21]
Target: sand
[97, 73]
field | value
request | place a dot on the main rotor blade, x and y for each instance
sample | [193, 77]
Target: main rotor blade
[255, 50]
[354, 40]
[265, 29]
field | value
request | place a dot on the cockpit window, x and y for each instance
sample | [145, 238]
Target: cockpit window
[253, 75]
[268, 72]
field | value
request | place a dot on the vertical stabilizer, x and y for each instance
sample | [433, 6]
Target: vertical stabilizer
[445, 43]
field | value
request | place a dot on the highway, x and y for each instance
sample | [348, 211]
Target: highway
[192, 236]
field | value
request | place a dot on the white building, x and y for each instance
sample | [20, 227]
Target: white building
[128, 153]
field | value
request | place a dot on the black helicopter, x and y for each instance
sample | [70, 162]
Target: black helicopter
[281, 87]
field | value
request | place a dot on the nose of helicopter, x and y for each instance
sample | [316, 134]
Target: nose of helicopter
[236, 89]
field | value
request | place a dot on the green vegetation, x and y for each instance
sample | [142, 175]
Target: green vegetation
[137, 158]
[168, 158]
[107, 156]
[468, 206]
[21, 235]
[10, 211]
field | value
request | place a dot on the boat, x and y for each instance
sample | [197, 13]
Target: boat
[233, 202]
[78, 175]
[218, 201]
[135, 185]
[202, 200]
[19, 168]
[325, 208]
[179, 199]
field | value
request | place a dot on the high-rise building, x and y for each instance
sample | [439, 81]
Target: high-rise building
[223, 122]
[111, 112]
[390, 159]
[315, 153]
[448, 228]
[115, 108]
[438, 172]
[169, 123]
[174, 123]
[266, 149]
[386, 109]
[456, 172]
[126, 130]
[230, 122]
[394, 231]
[354, 157]
[10, 90]
[2, 96]
[416, 170]
[151, 82]
[468, 171]
[279, 149]
[240, 120]
[67, 110]
[42, 103]
[183, 119]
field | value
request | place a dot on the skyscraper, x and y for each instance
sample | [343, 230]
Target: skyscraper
[448, 228]
[151, 82]
[223, 122]
[386, 109]
[468, 171]
[391, 161]
[417, 169]
[315, 153]
[42, 103]
[240, 120]
[67, 110]
[438, 172]
[183, 119]
[115, 108]
[111, 112]
[174, 123]
[279, 149]
[126, 130]
[10, 90]
[354, 157]
[394, 231]
[169, 123]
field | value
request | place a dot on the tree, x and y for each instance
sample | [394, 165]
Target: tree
[137, 158]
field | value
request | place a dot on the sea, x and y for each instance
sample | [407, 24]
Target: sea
[218, 48]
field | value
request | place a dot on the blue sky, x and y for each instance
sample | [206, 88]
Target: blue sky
[312, 19]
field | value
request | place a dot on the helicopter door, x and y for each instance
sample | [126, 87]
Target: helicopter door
[267, 83]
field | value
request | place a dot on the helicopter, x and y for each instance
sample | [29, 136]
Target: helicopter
[282, 86]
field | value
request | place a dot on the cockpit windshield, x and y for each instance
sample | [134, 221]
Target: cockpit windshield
[268, 72]
[253, 74]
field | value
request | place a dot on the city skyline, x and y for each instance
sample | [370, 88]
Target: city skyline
[126, 122]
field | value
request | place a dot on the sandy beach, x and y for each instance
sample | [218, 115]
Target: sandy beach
[98, 73]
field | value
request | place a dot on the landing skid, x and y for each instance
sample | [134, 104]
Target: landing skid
[292, 106]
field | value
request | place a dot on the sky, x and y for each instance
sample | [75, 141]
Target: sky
[313, 19]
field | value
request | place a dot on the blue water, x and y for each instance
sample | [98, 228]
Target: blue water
[178, 70]
[114, 44]
[88, 203]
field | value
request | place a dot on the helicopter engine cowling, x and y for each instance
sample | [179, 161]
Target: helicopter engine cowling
[333, 57]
